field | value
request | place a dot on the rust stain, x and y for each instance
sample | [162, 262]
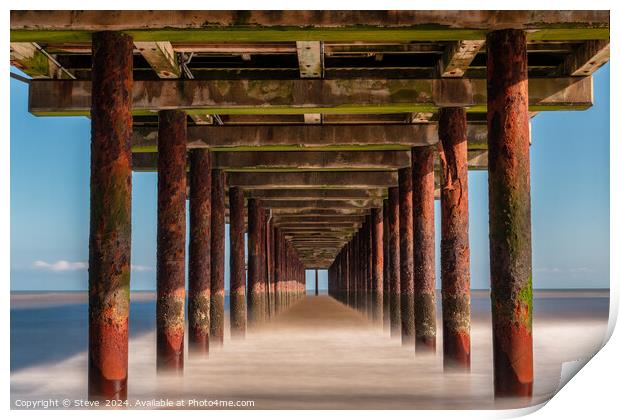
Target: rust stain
[455, 275]
[171, 197]
[110, 215]
[510, 212]
[199, 270]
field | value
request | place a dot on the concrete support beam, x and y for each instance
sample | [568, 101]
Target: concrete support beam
[171, 198]
[218, 186]
[311, 161]
[587, 58]
[457, 57]
[335, 220]
[423, 189]
[455, 281]
[310, 57]
[317, 193]
[110, 217]
[308, 137]
[199, 273]
[394, 260]
[237, 263]
[256, 280]
[299, 25]
[326, 180]
[161, 57]
[30, 59]
[303, 96]
[405, 234]
[510, 214]
[297, 212]
[321, 204]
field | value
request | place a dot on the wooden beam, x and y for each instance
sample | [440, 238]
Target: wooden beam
[300, 25]
[32, 61]
[586, 59]
[457, 57]
[161, 57]
[307, 95]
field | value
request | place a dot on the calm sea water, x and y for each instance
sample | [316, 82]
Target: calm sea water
[318, 354]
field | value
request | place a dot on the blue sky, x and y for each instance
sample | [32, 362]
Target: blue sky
[50, 197]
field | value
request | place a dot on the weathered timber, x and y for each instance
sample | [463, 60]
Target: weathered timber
[171, 198]
[109, 255]
[237, 264]
[199, 271]
[218, 181]
[299, 25]
[455, 280]
[510, 214]
[423, 190]
[405, 234]
[340, 96]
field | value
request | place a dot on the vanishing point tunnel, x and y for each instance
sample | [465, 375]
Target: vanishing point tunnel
[326, 137]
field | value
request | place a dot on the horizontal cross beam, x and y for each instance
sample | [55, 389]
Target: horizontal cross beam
[304, 137]
[303, 96]
[339, 180]
[304, 25]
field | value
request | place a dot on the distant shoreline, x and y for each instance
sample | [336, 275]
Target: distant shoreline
[26, 299]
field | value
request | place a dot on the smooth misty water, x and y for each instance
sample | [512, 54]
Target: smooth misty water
[317, 354]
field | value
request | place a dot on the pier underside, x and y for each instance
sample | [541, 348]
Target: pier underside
[326, 137]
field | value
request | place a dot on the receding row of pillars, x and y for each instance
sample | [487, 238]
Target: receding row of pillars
[275, 278]
[399, 291]
[402, 285]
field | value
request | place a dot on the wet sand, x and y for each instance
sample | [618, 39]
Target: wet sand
[321, 354]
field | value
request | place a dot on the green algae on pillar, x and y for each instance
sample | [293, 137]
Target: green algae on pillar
[423, 182]
[237, 263]
[110, 216]
[455, 280]
[171, 197]
[510, 213]
[199, 270]
[218, 223]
